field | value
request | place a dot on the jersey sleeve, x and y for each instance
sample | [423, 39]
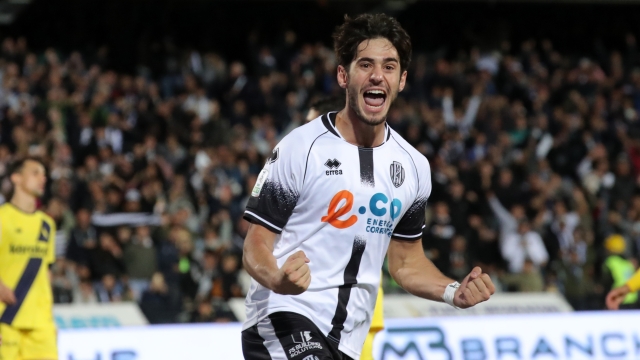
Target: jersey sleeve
[278, 187]
[412, 223]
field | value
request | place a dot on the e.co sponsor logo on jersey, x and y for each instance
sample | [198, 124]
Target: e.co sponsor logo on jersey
[342, 203]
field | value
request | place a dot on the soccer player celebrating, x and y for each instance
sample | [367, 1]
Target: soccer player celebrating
[334, 197]
[26, 251]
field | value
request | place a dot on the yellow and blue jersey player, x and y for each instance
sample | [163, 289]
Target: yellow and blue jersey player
[27, 249]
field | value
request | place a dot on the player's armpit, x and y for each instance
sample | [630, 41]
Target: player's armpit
[411, 269]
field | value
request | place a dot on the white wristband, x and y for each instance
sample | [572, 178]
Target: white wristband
[450, 292]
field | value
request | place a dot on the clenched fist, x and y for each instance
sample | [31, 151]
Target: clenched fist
[475, 288]
[294, 276]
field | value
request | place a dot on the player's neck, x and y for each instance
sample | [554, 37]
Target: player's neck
[24, 202]
[356, 132]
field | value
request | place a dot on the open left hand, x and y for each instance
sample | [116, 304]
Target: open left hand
[474, 289]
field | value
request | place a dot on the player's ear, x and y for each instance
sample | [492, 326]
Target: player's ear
[343, 76]
[403, 80]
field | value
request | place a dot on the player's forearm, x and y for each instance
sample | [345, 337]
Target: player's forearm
[420, 277]
[259, 262]
[634, 282]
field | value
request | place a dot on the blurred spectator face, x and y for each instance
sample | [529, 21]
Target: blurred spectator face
[210, 260]
[457, 190]
[441, 210]
[55, 208]
[114, 197]
[83, 272]
[205, 309]
[105, 153]
[622, 168]
[124, 234]
[150, 142]
[486, 169]
[143, 232]
[109, 282]
[183, 242]
[158, 284]
[459, 244]
[506, 177]
[83, 218]
[524, 227]
[236, 70]
[385, 79]
[560, 208]
[518, 212]
[181, 216]
[475, 221]
[106, 241]
[91, 163]
[225, 194]
[229, 263]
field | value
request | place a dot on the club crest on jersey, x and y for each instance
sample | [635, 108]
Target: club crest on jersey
[397, 173]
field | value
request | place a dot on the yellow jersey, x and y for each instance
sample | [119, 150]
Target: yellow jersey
[634, 282]
[27, 248]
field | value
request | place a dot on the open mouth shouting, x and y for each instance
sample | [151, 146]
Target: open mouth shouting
[374, 100]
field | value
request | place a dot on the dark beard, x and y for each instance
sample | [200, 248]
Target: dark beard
[353, 104]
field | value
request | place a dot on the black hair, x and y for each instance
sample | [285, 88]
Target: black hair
[352, 32]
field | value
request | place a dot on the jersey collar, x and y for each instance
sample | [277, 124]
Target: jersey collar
[329, 121]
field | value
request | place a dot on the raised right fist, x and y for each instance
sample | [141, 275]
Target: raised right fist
[294, 276]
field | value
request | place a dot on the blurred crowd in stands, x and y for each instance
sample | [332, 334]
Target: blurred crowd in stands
[535, 160]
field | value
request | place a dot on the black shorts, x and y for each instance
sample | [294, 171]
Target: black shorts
[288, 336]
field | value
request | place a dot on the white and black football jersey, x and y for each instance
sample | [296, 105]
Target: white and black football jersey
[341, 204]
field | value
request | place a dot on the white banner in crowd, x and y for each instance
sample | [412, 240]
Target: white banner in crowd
[575, 336]
[98, 315]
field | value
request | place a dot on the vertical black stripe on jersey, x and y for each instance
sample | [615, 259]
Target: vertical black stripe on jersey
[366, 167]
[344, 291]
[24, 284]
